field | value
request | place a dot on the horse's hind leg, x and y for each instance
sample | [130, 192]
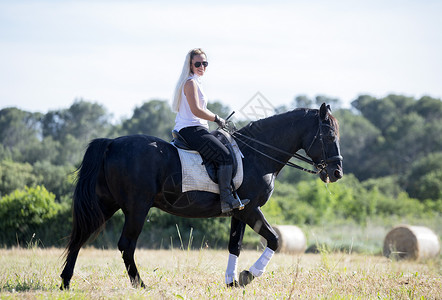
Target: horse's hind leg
[68, 270]
[133, 225]
[74, 249]
[237, 228]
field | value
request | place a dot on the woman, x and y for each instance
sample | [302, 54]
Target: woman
[190, 104]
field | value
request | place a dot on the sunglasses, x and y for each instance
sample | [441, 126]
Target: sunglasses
[199, 63]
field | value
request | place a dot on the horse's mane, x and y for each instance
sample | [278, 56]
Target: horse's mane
[334, 122]
[287, 118]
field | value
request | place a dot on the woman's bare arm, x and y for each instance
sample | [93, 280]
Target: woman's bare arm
[191, 92]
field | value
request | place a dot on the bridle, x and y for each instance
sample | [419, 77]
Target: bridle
[319, 134]
[321, 166]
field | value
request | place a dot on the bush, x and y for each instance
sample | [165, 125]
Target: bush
[35, 210]
[163, 230]
[24, 212]
[313, 202]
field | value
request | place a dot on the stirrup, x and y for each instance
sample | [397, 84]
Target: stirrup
[243, 202]
[241, 205]
[227, 207]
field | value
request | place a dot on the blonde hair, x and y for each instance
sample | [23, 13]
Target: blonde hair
[185, 73]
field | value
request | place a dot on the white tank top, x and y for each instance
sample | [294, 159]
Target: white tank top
[185, 117]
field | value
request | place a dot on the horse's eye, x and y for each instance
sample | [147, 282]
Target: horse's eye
[331, 138]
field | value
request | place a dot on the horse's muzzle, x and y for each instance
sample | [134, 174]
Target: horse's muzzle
[332, 172]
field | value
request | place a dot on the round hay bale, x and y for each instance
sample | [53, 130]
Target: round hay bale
[411, 242]
[291, 239]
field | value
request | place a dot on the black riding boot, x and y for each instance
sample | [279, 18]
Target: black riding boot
[228, 202]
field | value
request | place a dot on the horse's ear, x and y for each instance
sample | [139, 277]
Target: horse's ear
[323, 111]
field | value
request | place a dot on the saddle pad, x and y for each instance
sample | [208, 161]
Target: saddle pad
[195, 177]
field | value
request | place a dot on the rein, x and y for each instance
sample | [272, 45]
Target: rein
[320, 166]
[290, 164]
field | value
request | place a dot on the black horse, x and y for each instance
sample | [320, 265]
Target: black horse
[135, 173]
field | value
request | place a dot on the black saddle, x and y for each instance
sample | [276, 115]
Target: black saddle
[211, 167]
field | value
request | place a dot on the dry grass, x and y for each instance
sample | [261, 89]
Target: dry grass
[177, 274]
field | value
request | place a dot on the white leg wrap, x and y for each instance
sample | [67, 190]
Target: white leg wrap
[260, 265]
[232, 266]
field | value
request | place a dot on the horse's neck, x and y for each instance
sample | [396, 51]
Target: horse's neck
[284, 131]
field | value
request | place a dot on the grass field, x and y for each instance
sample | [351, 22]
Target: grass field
[199, 274]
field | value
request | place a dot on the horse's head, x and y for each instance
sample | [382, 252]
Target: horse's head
[324, 146]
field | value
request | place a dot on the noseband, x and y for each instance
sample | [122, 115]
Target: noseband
[321, 166]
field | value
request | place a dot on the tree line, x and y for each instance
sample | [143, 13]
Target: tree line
[392, 149]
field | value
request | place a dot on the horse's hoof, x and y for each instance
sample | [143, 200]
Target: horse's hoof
[233, 284]
[64, 285]
[137, 285]
[245, 277]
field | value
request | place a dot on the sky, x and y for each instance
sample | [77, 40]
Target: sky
[121, 54]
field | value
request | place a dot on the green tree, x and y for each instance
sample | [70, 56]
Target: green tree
[19, 132]
[57, 179]
[83, 120]
[407, 129]
[357, 140]
[153, 118]
[218, 108]
[424, 179]
[334, 103]
[15, 175]
[46, 150]
[69, 130]
[379, 113]
[5, 154]
[302, 101]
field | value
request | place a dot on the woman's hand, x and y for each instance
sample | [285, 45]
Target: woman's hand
[220, 121]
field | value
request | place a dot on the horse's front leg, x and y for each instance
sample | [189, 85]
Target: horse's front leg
[257, 221]
[237, 228]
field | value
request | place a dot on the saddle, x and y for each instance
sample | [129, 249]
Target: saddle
[211, 167]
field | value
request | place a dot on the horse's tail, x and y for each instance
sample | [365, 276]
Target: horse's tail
[87, 216]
